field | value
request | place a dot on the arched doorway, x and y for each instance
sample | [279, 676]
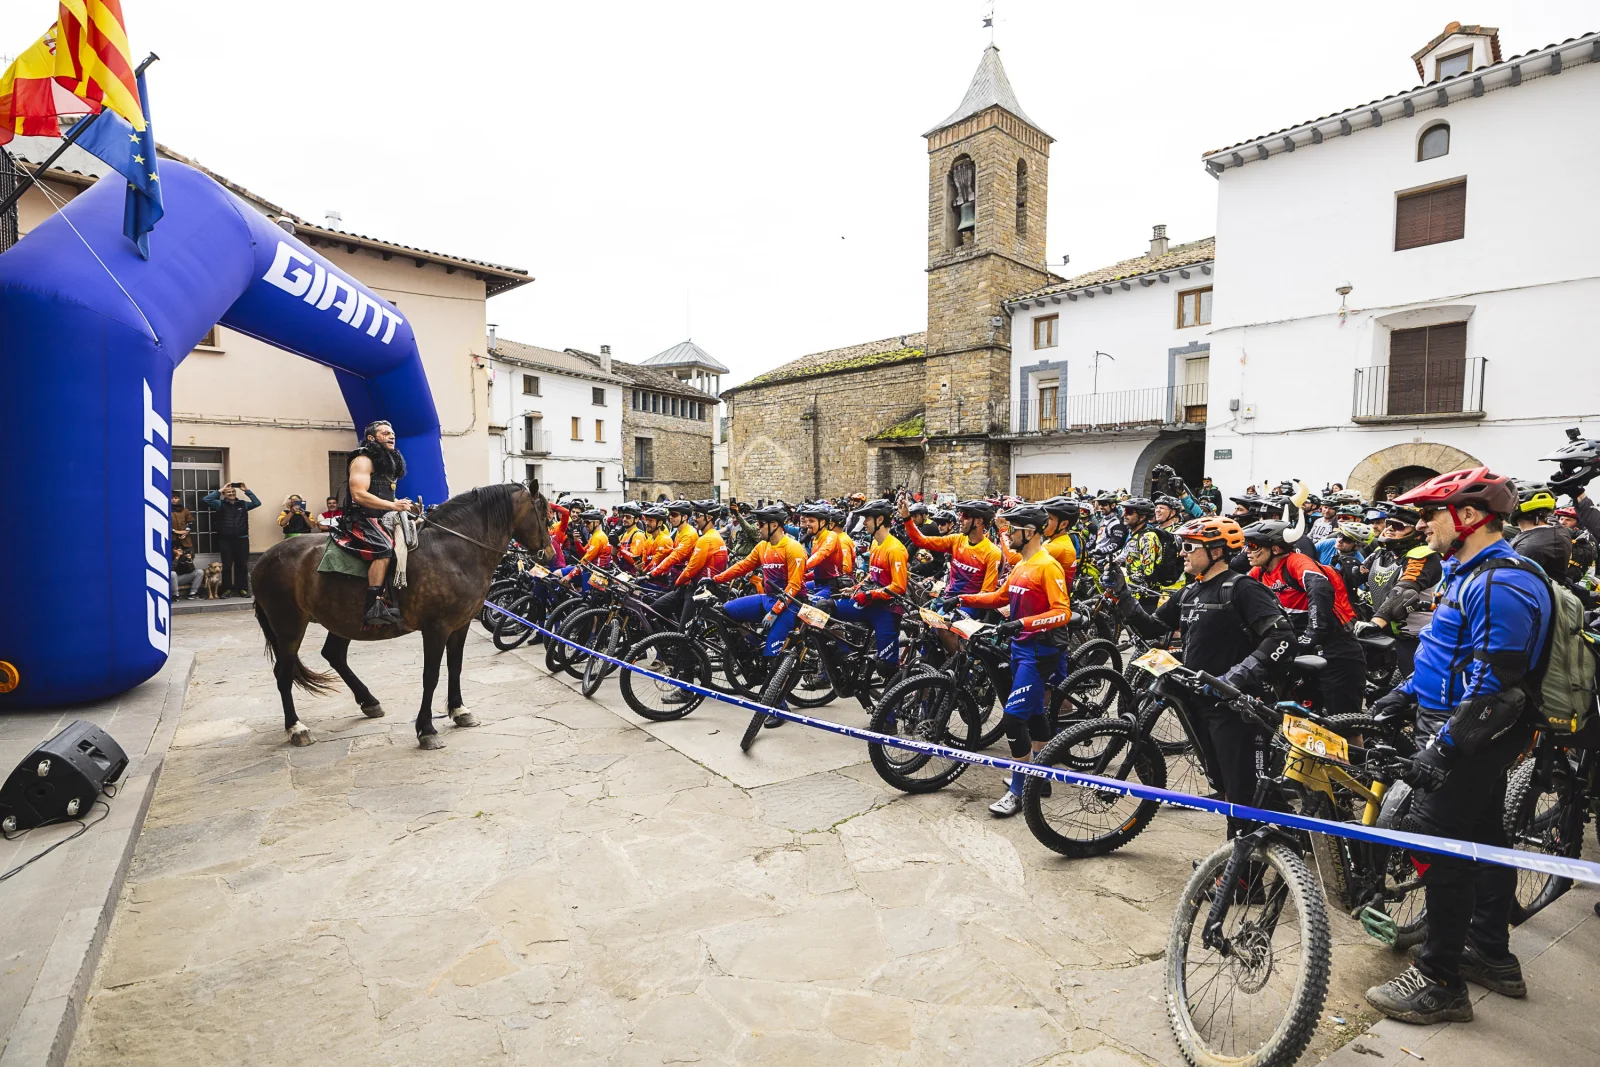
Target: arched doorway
[1183, 452]
[1405, 466]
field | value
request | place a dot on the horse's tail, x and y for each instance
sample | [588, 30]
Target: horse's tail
[309, 681]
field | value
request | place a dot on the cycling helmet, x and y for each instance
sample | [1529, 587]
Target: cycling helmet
[1062, 508]
[1567, 513]
[1025, 515]
[1359, 532]
[1211, 530]
[1350, 512]
[1578, 458]
[771, 513]
[592, 515]
[706, 507]
[836, 514]
[1266, 532]
[815, 511]
[1106, 498]
[879, 508]
[1534, 498]
[1477, 486]
[628, 508]
[682, 507]
[1139, 505]
[919, 508]
[944, 516]
[655, 511]
[979, 509]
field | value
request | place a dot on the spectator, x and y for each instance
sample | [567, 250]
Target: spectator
[330, 518]
[233, 534]
[184, 572]
[1210, 494]
[294, 518]
[182, 523]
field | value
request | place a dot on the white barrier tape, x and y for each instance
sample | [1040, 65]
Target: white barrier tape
[1559, 866]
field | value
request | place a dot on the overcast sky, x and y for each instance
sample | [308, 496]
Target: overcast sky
[752, 175]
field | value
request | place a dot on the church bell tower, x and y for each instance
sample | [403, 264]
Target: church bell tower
[988, 170]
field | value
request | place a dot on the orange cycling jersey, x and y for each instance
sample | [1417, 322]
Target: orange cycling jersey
[783, 566]
[974, 568]
[671, 565]
[887, 568]
[1036, 592]
[631, 545]
[827, 556]
[710, 556]
[598, 551]
[1065, 553]
[558, 528]
[847, 553]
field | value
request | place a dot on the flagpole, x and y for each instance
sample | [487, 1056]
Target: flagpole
[77, 130]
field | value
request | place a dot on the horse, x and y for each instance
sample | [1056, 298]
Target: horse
[459, 544]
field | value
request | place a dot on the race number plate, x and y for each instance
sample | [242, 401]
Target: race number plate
[540, 571]
[1303, 733]
[933, 619]
[966, 627]
[598, 581]
[1157, 661]
[624, 577]
[815, 617]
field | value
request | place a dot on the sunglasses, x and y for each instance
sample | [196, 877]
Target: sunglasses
[1190, 546]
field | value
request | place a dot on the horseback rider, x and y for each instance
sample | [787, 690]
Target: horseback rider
[374, 468]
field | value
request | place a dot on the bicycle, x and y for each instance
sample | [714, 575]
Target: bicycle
[1549, 798]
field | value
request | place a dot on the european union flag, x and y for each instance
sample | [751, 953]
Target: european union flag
[133, 155]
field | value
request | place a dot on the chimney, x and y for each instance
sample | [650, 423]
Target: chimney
[492, 342]
[1158, 241]
[605, 358]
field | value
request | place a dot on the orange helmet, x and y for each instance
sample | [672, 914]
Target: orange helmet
[1210, 529]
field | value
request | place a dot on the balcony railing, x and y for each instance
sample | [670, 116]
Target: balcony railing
[537, 443]
[1442, 390]
[1102, 412]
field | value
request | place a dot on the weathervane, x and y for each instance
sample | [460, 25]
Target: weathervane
[988, 21]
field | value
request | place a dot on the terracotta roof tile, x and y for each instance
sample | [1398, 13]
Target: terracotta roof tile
[1176, 258]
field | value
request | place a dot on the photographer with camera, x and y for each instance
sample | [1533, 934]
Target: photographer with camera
[295, 519]
[233, 534]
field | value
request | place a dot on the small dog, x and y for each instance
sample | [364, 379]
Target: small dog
[213, 580]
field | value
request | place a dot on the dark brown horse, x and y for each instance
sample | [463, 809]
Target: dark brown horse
[448, 577]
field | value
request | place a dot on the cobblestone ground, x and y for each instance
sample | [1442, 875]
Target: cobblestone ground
[560, 886]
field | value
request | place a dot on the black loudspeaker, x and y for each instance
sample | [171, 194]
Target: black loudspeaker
[61, 778]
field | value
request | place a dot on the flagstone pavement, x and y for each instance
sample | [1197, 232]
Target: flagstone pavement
[563, 886]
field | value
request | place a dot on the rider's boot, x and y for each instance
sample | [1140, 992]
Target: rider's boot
[379, 611]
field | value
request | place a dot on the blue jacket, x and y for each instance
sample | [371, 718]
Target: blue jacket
[1453, 659]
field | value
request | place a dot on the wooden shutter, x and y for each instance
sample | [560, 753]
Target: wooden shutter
[1446, 367]
[1431, 216]
[1408, 362]
[1042, 486]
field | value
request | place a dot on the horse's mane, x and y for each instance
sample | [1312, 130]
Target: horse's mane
[491, 502]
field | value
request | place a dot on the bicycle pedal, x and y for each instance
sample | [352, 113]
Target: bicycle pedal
[1378, 925]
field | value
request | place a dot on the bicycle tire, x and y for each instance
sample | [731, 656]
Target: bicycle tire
[991, 711]
[771, 696]
[1540, 819]
[508, 633]
[1125, 755]
[1095, 652]
[675, 655]
[1082, 696]
[733, 668]
[953, 708]
[595, 668]
[584, 628]
[1303, 999]
[812, 698]
[557, 652]
[1411, 922]
[1358, 725]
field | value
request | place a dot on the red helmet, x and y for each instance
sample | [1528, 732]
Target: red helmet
[1478, 486]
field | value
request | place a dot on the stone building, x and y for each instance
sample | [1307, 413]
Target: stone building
[920, 409]
[667, 426]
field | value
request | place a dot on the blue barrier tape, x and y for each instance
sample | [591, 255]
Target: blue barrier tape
[1559, 866]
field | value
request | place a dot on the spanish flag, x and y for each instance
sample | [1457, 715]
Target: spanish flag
[31, 99]
[92, 59]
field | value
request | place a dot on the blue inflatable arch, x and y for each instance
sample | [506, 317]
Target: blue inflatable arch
[90, 334]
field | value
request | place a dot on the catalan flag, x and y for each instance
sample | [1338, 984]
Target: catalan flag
[92, 58]
[30, 97]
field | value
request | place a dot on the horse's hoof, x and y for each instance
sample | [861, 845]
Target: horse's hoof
[430, 741]
[463, 717]
[299, 736]
[373, 710]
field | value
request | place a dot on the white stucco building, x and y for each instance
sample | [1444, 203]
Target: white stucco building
[1109, 372]
[556, 417]
[1410, 284]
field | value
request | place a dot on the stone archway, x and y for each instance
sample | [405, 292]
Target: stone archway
[1368, 475]
[1183, 451]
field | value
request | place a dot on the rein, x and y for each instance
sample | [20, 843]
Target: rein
[431, 525]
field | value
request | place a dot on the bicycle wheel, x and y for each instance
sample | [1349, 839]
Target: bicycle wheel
[585, 628]
[1362, 730]
[811, 689]
[1095, 652]
[739, 667]
[1404, 899]
[1080, 821]
[557, 652]
[924, 707]
[1092, 693]
[500, 592]
[595, 668]
[1258, 1003]
[1541, 817]
[508, 632]
[991, 710]
[772, 696]
[676, 656]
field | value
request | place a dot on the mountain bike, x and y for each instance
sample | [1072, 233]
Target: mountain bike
[1549, 798]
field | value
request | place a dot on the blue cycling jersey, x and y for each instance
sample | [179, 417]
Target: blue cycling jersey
[1479, 615]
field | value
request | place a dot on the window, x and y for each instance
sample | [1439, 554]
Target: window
[1194, 308]
[577, 428]
[1453, 64]
[636, 395]
[530, 385]
[599, 395]
[599, 429]
[677, 405]
[644, 458]
[1048, 393]
[1431, 216]
[599, 477]
[1435, 141]
[655, 403]
[961, 191]
[1022, 198]
[1044, 331]
[1427, 369]
[530, 473]
[211, 340]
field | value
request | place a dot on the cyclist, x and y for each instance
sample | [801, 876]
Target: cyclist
[630, 536]
[944, 522]
[1036, 595]
[1401, 572]
[847, 545]
[710, 556]
[1210, 494]
[560, 518]
[1327, 522]
[974, 559]
[827, 564]
[1229, 625]
[1550, 546]
[1471, 700]
[887, 575]
[780, 566]
[684, 536]
[1061, 540]
[590, 532]
[1348, 556]
[1142, 556]
[657, 543]
[1112, 534]
[1169, 513]
[1318, 607]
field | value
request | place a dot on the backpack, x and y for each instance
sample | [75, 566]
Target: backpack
[1170, 567]
[1562, 683]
